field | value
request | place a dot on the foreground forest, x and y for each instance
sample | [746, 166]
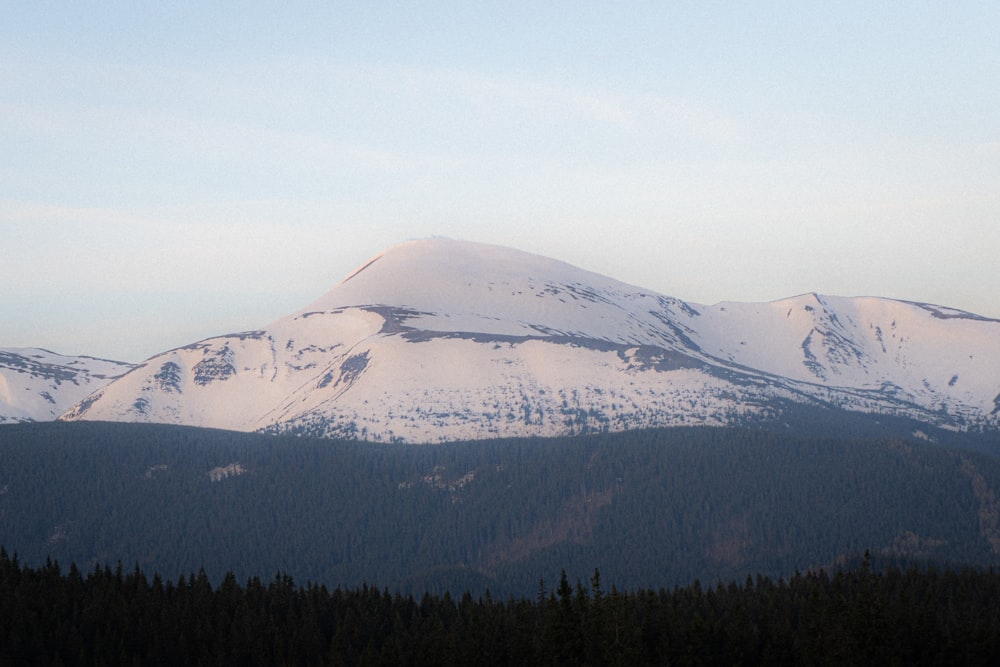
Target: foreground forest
[647, 509]
[856, 616]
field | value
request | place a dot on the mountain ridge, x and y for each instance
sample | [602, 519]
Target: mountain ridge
[40, 385]
[439, 339]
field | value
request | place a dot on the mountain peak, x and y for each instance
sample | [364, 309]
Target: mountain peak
[447, 285]
[420, 273]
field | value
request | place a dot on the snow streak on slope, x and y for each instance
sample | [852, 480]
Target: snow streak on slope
[439, 340]
[38, 385]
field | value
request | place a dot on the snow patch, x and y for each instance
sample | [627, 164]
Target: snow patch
[155, 469]
[224, 472]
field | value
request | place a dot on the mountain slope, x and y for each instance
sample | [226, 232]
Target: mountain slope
[649, 508]
[441, 340]
[38, 385]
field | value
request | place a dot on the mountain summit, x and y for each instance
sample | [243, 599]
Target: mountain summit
[438, 340]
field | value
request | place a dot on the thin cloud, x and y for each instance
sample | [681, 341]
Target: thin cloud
[547, 103]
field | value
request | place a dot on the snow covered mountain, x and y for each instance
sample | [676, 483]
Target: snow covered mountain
[38, 385]
[440, 340]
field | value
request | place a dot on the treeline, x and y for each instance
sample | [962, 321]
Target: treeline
[859, 616]
[647, 508]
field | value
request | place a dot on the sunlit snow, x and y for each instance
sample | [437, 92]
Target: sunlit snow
[440, 340]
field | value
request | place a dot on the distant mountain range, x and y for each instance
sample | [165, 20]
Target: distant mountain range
[38, 385]
[438, 340]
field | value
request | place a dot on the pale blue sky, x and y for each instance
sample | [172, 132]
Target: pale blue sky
[192, 169]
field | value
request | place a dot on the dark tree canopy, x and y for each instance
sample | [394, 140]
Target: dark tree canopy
[917, 616]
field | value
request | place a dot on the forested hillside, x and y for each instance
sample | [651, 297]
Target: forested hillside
[646, 508]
